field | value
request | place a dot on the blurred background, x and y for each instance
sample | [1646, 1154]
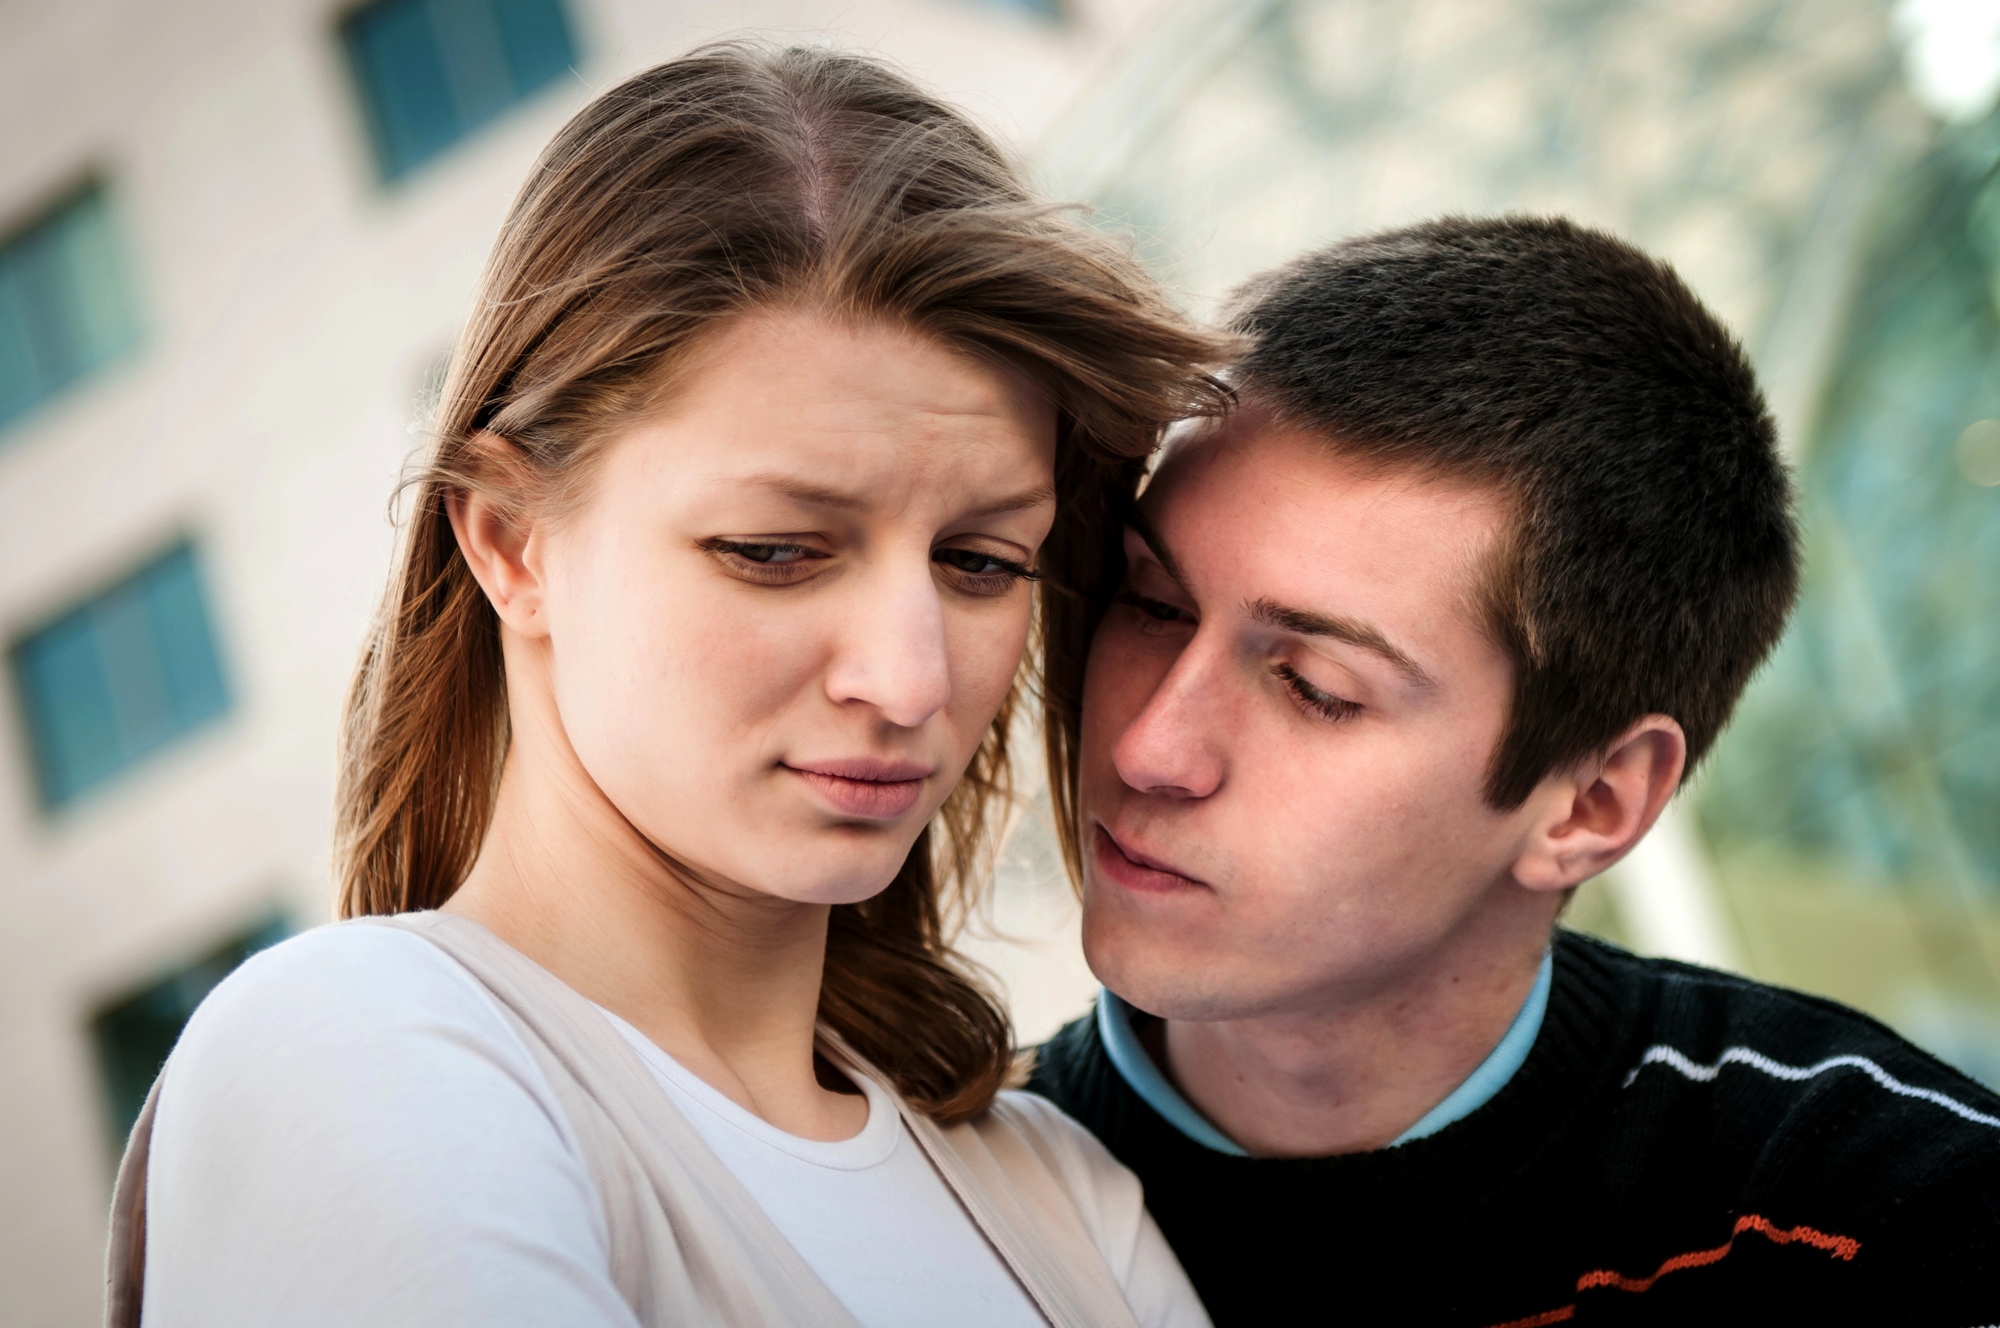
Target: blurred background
[237, 238]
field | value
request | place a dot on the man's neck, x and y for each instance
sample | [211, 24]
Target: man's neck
[1352, 1075]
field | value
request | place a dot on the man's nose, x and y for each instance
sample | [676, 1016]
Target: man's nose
[891, 653]
[1173, 748]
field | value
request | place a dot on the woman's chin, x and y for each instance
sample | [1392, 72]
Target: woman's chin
[823, 868]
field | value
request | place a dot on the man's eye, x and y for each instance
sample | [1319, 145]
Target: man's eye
[1324, 704]
[1157, 610]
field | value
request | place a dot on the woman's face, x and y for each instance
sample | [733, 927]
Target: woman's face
[784, 618]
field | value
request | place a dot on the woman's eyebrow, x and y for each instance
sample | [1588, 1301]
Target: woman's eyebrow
[1307, 623]
[800, 490]
[821, 495]
[1035, 497]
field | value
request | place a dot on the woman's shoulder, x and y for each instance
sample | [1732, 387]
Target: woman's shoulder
[354, 1111]
[345, 981]
[343, 1024]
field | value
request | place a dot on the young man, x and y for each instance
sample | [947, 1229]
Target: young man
[1422, 638]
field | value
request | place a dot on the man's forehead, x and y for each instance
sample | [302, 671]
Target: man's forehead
[1257, 494]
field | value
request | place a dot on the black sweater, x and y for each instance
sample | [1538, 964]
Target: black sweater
[1827, 1172]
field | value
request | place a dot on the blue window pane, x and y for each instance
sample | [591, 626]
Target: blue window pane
[481, 86]
[98, 313]
[131, 660]
[125, 673]
[189, 669]
[21, 381]
[1050, 10]
[431, 71]
[401, 69]
[66, 697]
[65, 301]
[536, 41]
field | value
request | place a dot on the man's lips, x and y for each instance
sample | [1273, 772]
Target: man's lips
[1136, 870]
[865, 787]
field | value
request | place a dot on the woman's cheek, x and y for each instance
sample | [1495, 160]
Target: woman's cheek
[986, 657]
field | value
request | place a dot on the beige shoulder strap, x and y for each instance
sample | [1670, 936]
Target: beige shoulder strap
[125, 1255]
[1016, 1195]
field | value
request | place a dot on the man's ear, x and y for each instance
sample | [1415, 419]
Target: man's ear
[503, 549]
[1592, 815]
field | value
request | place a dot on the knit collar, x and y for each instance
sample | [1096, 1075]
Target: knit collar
[1136, 1067]
[1600, 1007]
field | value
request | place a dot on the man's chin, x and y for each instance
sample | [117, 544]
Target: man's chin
[1160, 980]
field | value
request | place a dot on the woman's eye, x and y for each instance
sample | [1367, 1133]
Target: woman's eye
[982, 573]
[768, 560]
[769, 554]
[1324, 704]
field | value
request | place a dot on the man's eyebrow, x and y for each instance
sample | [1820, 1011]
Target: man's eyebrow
[1307, 623]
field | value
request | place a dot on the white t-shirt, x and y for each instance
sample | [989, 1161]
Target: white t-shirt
[351, 1132]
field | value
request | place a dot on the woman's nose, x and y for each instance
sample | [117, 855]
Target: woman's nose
[891, 653]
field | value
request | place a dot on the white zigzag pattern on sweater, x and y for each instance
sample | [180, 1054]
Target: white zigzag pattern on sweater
[1662, 1054]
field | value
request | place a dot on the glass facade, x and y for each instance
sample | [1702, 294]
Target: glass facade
[432, 71]
[1867, 758]
[66, 305]
[119, 676]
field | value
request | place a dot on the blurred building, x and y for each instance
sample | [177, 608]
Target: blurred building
[236, 240]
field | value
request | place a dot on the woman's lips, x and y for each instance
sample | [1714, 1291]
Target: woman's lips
[865, 788]
[1134, 870]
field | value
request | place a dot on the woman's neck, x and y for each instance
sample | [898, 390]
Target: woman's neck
[725, 979]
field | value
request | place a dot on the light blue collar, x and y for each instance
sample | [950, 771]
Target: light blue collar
[1136, 1067]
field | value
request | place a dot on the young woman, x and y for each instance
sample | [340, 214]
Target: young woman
[679, 725]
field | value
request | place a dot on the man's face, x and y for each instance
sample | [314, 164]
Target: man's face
[1287, 723]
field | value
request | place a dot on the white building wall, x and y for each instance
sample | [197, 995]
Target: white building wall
[293, 306]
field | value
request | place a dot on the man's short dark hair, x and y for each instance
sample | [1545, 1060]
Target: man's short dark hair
[1653, 558]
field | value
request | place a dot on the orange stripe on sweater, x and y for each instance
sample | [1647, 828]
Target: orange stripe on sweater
[1840, 1247]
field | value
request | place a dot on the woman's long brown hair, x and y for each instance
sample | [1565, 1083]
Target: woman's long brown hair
[733, 179]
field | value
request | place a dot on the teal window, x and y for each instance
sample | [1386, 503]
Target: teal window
[119, 676]
[133, 1034]
[66, 307]
[1049, 10]
[432, 71]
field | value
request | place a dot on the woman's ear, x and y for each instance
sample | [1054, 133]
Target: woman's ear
[502, 548]
[1591, 816]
